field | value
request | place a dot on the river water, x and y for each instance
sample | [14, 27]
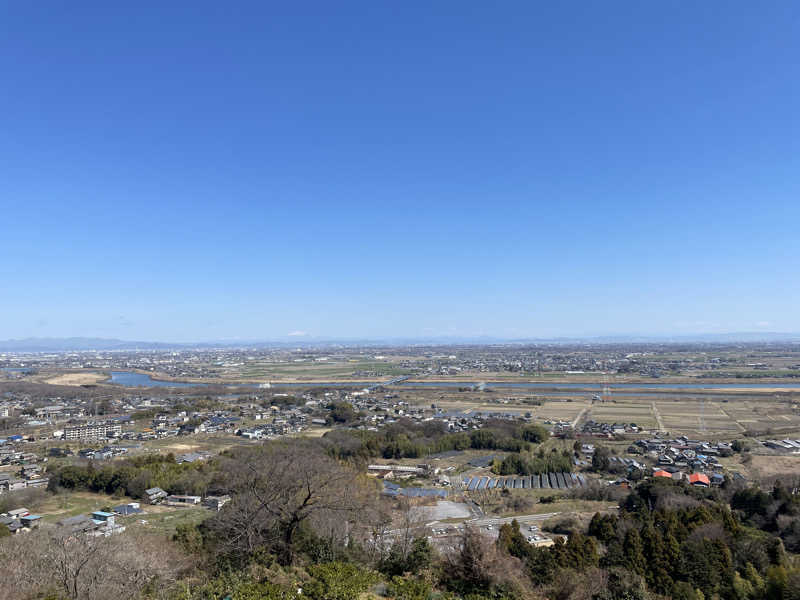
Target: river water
[131, 379]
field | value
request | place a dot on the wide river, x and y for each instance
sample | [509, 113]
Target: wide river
[131, 379]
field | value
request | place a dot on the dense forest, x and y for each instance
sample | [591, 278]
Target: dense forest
[407, 439]
[132, 476]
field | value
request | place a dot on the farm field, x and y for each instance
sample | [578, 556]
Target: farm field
[727, 418]
[763, 414]
[764, 466]
[640, 413]
[559, 411]
[554, 410]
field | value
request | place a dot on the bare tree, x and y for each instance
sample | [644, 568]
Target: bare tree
[74, 560]
[475, 560]
[484, 498]
[80, 567]
[282, 485]
[378, 534]
[412, 524]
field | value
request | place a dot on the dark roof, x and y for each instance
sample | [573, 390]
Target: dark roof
[124, 509]
[77, 522]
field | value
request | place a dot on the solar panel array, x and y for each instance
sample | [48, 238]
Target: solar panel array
[544, 481]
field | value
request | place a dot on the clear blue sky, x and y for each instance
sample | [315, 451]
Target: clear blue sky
[205, 170]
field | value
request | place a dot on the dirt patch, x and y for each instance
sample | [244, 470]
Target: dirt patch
[444, 510]
[770, 466]
[181, 447]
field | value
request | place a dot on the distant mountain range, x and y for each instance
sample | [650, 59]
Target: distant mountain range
[82, 344]
[78, 344]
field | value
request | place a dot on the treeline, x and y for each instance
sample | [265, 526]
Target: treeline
[777, 512]
[752, 375]
[528, 463]
[664, 541]
[132, 476]
[407, 439]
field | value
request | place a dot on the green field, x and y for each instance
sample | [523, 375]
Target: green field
[167, 518]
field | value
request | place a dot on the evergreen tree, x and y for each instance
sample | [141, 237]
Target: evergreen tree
[635, 560]
[603, 527]
[657, 575]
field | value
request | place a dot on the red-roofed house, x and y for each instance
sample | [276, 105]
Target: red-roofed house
[699, 479]
[663, 473]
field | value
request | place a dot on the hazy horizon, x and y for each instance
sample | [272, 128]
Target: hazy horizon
[82, 342]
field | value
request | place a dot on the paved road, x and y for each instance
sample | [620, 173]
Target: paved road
[520, 519]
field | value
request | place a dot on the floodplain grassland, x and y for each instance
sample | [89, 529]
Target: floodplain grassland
[355, 369]
[73, 377]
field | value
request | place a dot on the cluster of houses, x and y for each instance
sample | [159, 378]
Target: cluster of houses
[679, 459]
[96, 524]
[10, 440]
[104, 453]
[682, 459]
[681, 452]
[104, 523]
[15, 456]
[30, 472]
[282, 422]
[9, 483]
[608, 430]
[167, 425]
[19, 520]
[695, 479]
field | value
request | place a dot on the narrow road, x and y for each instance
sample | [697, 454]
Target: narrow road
[520, 519]
[579, 417]
[657, 415]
